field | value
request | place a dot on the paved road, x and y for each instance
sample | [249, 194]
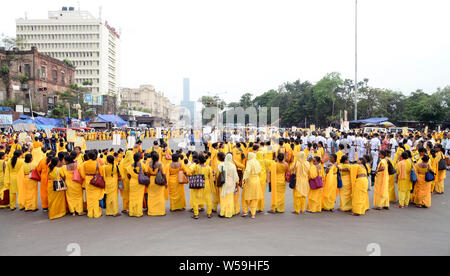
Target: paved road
[409, 231]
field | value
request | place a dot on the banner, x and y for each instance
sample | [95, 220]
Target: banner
[6, 119]
[22, 137]
[131, 142]
[312, 127]
[71, 136]
[79, 142]
[116, 140]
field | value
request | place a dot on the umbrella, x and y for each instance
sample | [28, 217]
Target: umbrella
[387, 124]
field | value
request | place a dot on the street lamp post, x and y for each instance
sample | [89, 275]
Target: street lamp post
[356, 60]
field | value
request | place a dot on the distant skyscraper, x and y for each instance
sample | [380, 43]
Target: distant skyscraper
[186, 90]
[186, 102]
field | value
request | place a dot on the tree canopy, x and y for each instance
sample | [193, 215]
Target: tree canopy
[325, 102]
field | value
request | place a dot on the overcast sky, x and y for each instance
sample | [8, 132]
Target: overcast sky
[240, 46]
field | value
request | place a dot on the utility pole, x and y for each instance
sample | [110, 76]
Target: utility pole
[356, 60]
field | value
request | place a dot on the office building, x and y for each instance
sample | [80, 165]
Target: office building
[89, 43]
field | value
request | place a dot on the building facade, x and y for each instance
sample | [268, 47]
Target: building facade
[45, 74]
[146, 99]
[90, 43]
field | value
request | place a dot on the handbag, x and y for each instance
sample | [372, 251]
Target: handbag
[76, 175]
[339, 180]
[287, 174]
[34, 175]
[142, 178]
[196, 182]
[293, 179]
[102, 202]
[442, 166]
[429, 176]
[182, 178]
[221, 178]
[160, 178]
[59, 185]
[97, 180]
[316, 183]
[5, 200]
[413, 176]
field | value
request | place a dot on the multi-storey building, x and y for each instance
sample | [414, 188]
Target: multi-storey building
[146, 99]
[89, 43]
[44, 76]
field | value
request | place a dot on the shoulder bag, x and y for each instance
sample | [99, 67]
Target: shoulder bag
[160, 178]
[97, 180]
[142, 178]
[58, 184]
[196, 182]
[182, 178]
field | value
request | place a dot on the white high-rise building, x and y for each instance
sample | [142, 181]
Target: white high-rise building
[89, 43]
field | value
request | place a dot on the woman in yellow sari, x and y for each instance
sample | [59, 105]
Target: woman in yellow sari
[441, 174]
[360, 186]
[14, 181]
[404, 183]
[111, 174]
[30, 186]
[381, 187]
[57, 207]
[74, 193]
[3, 189]
[137, 190]
[251, 185]
[156, 193]
[93, 194]
[202, 196]
[330, 189]
[392, 194]
[127, 161]
[422, 194]
[278, 184]
[36, 151]
[300, 193]
[263, 178]
[345, 193]
[315, 196]
[176, 190]
[228, 189]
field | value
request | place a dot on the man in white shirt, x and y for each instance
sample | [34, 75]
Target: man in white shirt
[394, 145]
[351, 141]
[330, 145]
[447, 145]
[375, 146]
[360, 146]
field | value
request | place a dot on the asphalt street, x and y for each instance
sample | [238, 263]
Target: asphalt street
[410, 231]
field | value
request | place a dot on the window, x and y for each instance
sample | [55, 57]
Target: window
[63, 78]
[44, 72]
[55, 76]
[27, 70]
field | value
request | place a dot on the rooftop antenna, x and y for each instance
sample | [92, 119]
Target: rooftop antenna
[26, 15]
[79, 7]
[100, 12]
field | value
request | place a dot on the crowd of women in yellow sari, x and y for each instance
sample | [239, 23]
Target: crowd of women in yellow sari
[236, 175]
